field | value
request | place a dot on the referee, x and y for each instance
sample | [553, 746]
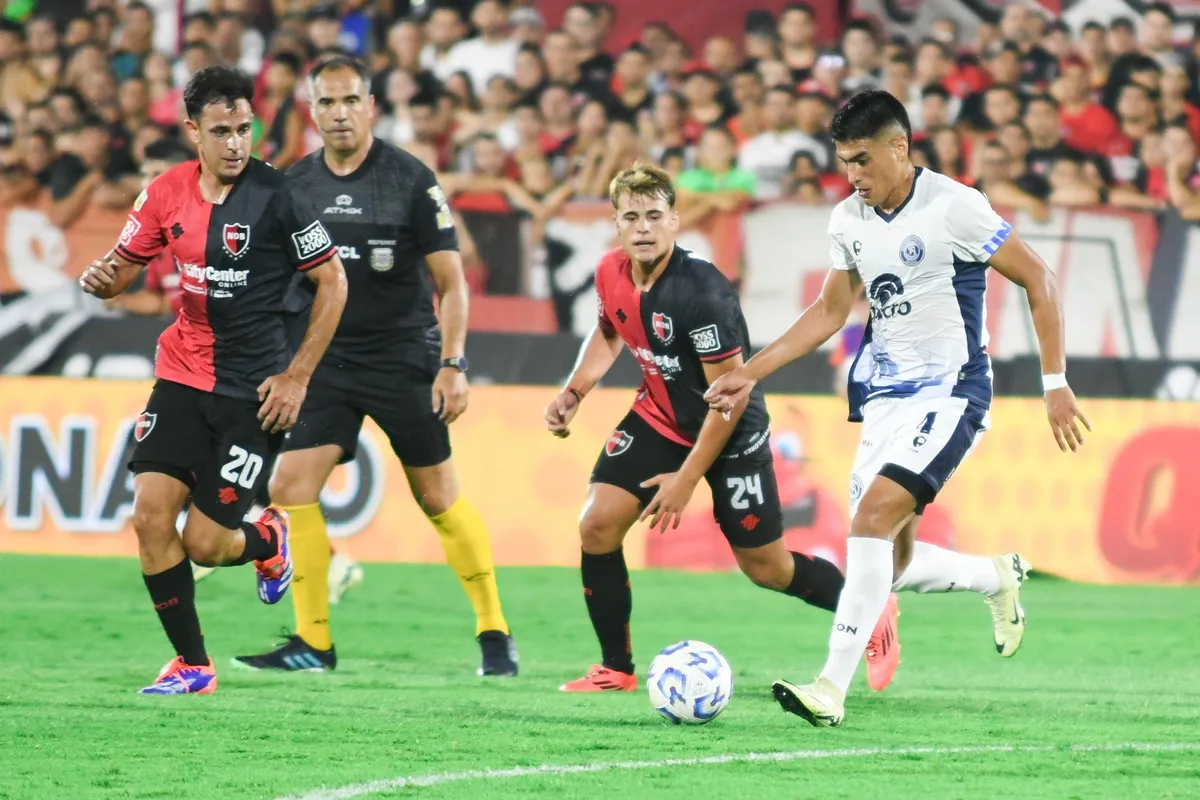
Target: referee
[388, 360]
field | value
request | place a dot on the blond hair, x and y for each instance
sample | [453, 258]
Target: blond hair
[642, 180]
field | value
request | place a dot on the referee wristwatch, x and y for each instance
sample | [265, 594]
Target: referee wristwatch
[458, 362]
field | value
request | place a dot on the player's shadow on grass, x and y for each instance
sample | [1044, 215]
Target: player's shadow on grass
[649, 720]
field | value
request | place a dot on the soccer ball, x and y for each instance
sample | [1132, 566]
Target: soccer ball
[690, 682]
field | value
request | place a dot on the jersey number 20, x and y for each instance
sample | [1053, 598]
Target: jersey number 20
[242, 468]
[749, 485]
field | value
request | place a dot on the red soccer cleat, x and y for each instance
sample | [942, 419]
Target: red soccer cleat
[883, 651]
[602, 679]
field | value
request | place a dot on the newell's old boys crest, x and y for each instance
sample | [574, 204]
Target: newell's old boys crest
[236, 238]
[143, 426]
[664, 329]
[618, 443]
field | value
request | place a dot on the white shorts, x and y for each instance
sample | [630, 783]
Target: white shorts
[916, 442]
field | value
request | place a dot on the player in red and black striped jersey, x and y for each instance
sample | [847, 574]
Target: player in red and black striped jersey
[228, 386]
[681, 319]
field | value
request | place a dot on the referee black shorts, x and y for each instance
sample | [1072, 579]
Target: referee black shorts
[398, 395]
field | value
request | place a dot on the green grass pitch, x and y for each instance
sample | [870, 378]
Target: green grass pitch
[1101, 667]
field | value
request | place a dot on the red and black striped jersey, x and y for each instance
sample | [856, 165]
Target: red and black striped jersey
[235, 262]
[691, 315]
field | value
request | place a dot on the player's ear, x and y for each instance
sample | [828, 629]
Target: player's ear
[193, 131]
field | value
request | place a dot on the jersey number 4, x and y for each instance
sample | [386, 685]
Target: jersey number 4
[242, 468]
[750, 485]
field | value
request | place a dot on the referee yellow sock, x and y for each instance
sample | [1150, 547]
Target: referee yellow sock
[310, 578]
[469, 553]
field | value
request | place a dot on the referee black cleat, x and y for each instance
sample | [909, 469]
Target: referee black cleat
[294, 655]
[499, 654]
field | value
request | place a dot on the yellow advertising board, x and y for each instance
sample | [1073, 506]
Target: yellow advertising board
[1123, 510]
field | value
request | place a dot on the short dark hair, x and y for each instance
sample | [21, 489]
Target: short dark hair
[46, 136]
[340, 62]
[288, 60]
[214, 85]
[860, 25]
[867, 114]
[803, 8]
[1092, 25]
[1042, 98]
[200, 16]
[935, 90]
[1124, 23]
[92, 120]
[718, 127]
[424, 98]
[168, 150]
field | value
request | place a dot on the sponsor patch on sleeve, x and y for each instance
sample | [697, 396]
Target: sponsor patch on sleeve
[311, 241]
[141, 201]
[706, 339]
[131, 229]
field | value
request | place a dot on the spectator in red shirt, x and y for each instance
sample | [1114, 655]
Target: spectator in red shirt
[1086, 125]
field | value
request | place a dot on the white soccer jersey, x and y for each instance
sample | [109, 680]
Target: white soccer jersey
[923, 268]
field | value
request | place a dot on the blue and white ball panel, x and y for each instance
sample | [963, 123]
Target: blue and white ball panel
[929, 437]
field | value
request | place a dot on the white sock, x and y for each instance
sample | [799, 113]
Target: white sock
[935, 569]
[868, 583]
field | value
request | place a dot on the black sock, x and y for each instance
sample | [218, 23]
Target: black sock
[174, 596]
[609, 604]
[261, 544]
[816, 582]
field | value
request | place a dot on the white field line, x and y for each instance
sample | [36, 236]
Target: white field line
[392, 784]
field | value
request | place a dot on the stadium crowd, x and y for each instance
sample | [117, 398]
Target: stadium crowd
[515, 114]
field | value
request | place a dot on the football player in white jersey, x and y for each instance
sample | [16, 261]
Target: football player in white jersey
[920, 243]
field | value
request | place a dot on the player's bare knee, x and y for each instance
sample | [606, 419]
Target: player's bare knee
[154, 522]
[599, 535]
[205, 550]
[768, 574]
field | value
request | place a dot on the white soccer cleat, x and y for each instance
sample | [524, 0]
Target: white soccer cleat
[199, 573]
[344, 572]
[820, 702]
[1008, 617]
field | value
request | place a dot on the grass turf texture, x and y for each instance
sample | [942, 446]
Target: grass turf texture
[1100, 665]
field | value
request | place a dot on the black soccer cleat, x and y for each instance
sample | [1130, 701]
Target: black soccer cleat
[294, 655]
[499, 654]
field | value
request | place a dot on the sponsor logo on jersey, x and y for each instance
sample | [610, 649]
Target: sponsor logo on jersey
[236, 238]
[214, 282]
[347, 253]
[343, 204]
[706, 340]
[664, 328]
[311, 241]
[912, 251]
[653, 364]
[618, 443]
[883, 290]
[129, 231]
[141, 201]
[382, 258]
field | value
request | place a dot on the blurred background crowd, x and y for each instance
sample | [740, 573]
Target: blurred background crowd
[516, 113]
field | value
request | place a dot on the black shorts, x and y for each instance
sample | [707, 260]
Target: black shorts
[214, 444]
[399, 399]
[745, 495]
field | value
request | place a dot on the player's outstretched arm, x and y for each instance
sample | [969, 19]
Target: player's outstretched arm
[821, 320]
[675, 489]
[109, 276]
[596, 357]
[1016, 261]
